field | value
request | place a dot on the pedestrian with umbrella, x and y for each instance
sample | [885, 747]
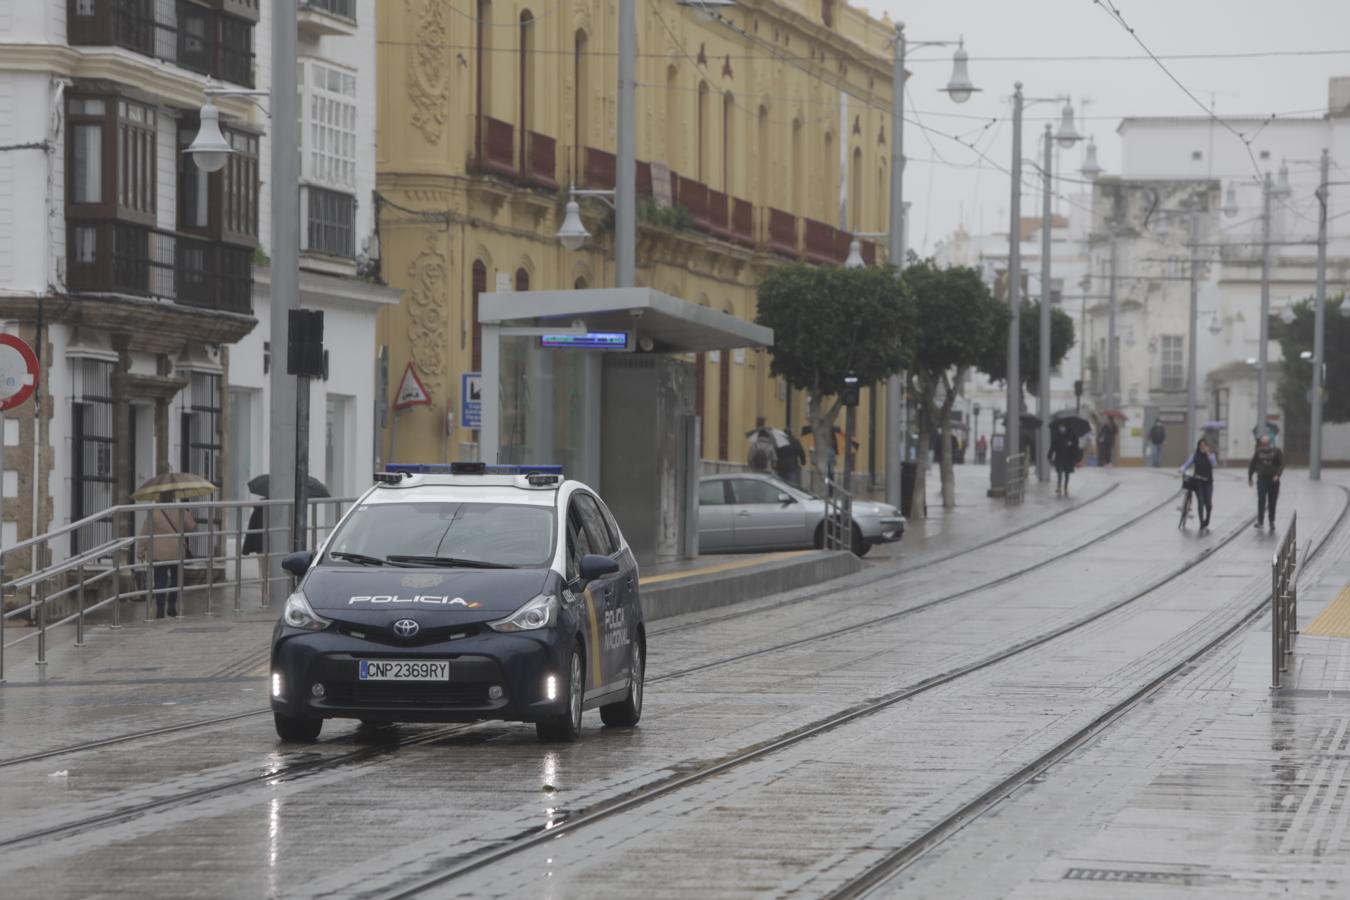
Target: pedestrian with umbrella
[1065, 451]
[163, 540]
[262, 486]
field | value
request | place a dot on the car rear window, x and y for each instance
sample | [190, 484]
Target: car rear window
[501, 533]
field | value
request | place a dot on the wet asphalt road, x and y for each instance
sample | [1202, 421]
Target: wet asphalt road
[227, 811]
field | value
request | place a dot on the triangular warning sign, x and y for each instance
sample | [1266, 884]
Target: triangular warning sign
[411, 391]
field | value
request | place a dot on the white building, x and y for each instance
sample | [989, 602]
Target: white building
[146, 278]
[1167, 163]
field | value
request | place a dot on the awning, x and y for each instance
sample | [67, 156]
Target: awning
[674, 325]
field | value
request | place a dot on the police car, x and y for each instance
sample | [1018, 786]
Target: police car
[463, 592]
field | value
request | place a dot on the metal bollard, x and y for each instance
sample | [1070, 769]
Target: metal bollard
[238, 558]
[79, 599]
[41, 596]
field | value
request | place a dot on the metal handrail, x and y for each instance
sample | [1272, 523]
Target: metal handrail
[838, 517]
[1284, 603]
[1015, 492]
[101, 569]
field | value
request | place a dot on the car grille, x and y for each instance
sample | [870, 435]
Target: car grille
[407, 694]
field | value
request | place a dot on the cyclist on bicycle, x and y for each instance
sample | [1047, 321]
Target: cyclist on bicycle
[1202, 463]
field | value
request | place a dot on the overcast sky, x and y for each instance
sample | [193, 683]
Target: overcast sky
[944, 197]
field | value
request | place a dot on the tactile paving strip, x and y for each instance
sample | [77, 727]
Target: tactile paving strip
[1335, 619]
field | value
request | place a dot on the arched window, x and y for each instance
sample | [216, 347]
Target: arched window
[522, 279]
[479, 286]
[855, 191]
[702, 173]
[728, 140]
[673, 131]
[580, 283]
[526, 76]
[765, 155]
[581, 91]
[795, 174]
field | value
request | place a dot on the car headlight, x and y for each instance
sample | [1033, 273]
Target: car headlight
[541, 612]
[299, 614]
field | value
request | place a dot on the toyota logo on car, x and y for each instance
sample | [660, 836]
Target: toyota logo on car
[406, 628]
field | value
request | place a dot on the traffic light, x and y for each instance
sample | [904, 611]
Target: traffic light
[848, 395]
[1078, 388]
[304, 345]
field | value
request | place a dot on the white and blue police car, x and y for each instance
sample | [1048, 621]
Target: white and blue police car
[463, 592]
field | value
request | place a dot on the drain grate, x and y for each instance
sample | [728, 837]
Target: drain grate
[1135, 876]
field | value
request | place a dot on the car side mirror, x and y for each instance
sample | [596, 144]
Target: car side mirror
[298, 563]
[594, 566]
[785, 498]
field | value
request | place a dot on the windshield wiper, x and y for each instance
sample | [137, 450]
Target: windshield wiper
[357, 558]
[450, 561]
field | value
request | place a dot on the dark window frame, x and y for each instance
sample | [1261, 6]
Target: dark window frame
[325, 233]
[129, 163]
[232, 194]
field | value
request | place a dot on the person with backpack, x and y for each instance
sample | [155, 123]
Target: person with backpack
[1267, 465]
[763, 456]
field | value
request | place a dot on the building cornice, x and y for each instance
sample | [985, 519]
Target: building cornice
[318, 290]
[166, 82]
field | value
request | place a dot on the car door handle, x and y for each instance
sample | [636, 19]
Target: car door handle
[743, 514]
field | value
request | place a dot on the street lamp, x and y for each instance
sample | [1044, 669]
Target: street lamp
[855, 260]
[959, 88]
[1091, 168]
[209, 149]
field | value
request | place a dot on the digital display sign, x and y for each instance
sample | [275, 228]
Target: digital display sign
[591, 340]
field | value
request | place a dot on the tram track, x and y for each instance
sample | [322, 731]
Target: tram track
[609, 808]
[900, 858]
[283, 773]
[925, 605]
[882, 575]
[125, 738]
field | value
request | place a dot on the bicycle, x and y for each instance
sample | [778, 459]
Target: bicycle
[1188, 486]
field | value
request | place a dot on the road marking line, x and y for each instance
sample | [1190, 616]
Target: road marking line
[722, 567]
[1334, 621]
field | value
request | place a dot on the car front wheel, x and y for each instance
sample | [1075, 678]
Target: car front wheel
[295, 728]
[628, 710]
[566, 727]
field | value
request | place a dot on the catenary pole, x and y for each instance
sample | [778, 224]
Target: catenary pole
[1043, 345]
[1112, 351]
[625, 199]
[1012, 417]
[285, 283]
[1264, 337]
[1192, 425]
[1319, 327]
[895, 440]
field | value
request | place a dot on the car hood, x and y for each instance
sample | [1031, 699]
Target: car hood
[872, 508]
[451, 596]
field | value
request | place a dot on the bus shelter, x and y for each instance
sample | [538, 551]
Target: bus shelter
[601, 381]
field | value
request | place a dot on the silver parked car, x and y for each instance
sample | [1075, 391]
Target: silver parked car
[752, 511]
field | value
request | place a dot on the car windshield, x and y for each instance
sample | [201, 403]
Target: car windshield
[498, 534]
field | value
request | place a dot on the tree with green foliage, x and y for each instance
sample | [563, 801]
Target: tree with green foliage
[1029, 363]
[829, 322]
[958, 325]
[1295, 386]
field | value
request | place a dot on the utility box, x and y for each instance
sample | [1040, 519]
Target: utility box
[648, 463]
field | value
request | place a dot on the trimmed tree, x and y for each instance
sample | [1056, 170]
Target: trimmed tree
[957, 322]
[829, 322]
[1295, 386]
[995, 365]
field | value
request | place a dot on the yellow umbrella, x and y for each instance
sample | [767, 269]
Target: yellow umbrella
[174, 485]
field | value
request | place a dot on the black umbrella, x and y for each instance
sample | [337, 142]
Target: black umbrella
[1030, 421]
[262, 486]
[1076, 426]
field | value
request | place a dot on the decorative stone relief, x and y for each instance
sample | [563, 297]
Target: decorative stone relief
[427, 316]
[428, 68]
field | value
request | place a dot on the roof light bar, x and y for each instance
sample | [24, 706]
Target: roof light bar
[471, 468]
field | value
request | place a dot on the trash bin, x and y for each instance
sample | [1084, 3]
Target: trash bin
[908, 472]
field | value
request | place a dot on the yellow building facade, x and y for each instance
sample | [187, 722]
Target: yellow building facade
[750, 127]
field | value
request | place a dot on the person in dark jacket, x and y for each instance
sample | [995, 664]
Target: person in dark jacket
[1106, 442]
[1202, 462]
[791, 458]
[1064, 454]
[1267, 465]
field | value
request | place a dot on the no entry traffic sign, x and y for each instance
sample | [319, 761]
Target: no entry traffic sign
[18, 371]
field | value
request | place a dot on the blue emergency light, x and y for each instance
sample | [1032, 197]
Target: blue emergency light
[470, 468]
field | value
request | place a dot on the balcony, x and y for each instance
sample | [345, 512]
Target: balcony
[495, 148]
[719, 215]
[599, 169]
[541, 160]
[322, 18]
[780, 232]
[742, 222]
[117, 258]
[693, 196]
[820, 242]
[215, 41]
